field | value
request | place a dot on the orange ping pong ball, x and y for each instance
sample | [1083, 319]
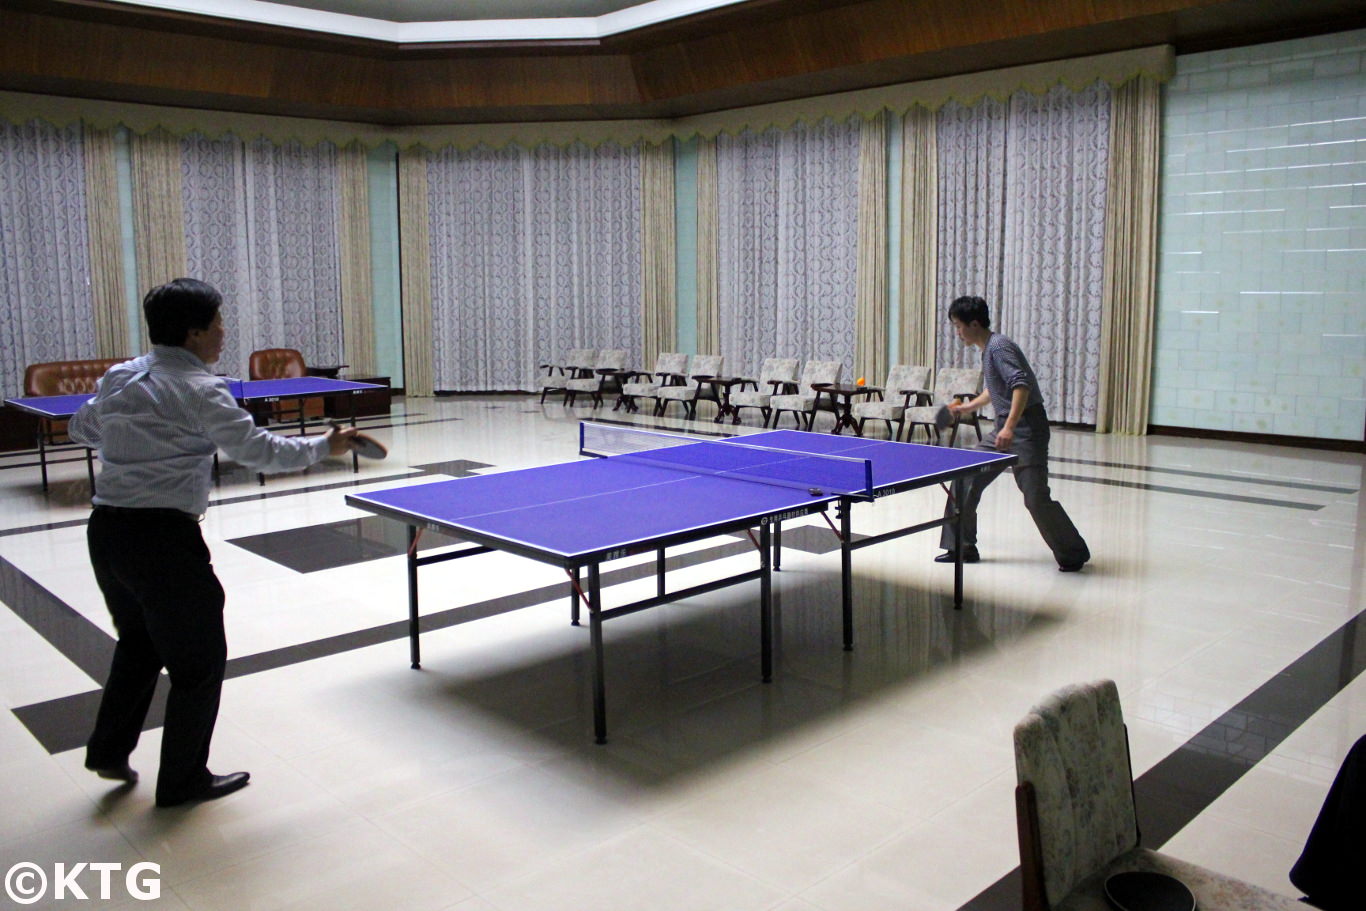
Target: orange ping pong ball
[859, 382]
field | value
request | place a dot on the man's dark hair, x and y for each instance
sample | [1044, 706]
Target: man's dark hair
[178, 306]
[968, 309]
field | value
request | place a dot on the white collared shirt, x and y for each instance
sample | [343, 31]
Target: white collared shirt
[157, 421]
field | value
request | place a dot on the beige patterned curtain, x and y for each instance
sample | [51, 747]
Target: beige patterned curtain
[416, 283]
[659, 278]
[106, 243]
[708, 305]
[353, 227]
[919, 237]
[1130, 289]
[158, 213]
[870, 321]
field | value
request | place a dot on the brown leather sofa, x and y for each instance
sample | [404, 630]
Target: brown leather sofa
[66, 377]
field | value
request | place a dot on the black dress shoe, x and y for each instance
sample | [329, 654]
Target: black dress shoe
[970, 555]
[125, 772]
[218, 786]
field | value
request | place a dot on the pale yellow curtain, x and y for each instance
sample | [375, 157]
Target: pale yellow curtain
[106, 243]
[659, 278]
[1130, 290]
[416, 283]
[919, 238]
[158, 213]
[358, 319]
[708, 307]
[870, 320]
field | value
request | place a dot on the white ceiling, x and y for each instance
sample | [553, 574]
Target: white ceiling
[413, 21]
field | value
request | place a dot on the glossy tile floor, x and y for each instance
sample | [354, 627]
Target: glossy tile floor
[1225, 597]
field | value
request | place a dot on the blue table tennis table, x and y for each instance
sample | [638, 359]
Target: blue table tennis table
[650, 491]
[50, 408]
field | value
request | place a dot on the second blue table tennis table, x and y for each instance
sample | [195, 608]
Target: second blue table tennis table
[650, 491]
[49, 408]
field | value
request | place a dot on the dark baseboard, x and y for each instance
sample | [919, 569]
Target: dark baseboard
[450, 393]
[1266, 439]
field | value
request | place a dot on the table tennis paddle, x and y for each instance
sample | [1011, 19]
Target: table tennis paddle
[366, 446]
[1148, 891]
[943, 418]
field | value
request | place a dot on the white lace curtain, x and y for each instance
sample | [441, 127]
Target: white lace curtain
[787, 234]
[532, 252]
[1022, 197]
[262, 226]
[46, 308]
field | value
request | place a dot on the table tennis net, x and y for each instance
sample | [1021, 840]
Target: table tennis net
[818, 474]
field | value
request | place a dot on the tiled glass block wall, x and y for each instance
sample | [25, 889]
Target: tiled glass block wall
[1261, 323]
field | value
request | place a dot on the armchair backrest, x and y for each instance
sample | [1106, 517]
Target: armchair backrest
[773, 369]
[67, 377]
[905, 376]
[952, 381]
[672, 362]
[611, 359]
[275, 364]
[819, 372]
[705, 365]
[1073, 750]
[581, 357]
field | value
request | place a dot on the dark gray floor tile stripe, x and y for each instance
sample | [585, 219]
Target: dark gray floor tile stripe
[1183, 785]
[1186, 491]
[82, 643]
[1190, 473]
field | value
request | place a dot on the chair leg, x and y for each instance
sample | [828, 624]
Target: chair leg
[858, 431]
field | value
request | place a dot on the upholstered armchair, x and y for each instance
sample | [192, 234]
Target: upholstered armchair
[802, 403]
[777, 375]
[904, 385]
[577, 363]
[605, 368]
[670, 370]
[1074, 807]
[951, 384]
[688, 395]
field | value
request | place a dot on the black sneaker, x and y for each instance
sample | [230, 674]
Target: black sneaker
[970, 555]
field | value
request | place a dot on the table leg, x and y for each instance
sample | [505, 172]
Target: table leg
[414, 650]
[355, 456]
[765, 604]
[574, 597]
[958, 557]
[595, 625]
[847, 572]
[42, 454]
[659, 572]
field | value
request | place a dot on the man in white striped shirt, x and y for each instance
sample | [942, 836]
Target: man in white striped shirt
[157, 421]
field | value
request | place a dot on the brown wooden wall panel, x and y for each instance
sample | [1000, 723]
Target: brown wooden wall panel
[765, 50]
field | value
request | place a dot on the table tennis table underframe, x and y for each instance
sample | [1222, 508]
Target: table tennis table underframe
[769, 546]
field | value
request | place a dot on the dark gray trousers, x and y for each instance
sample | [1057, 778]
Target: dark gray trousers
[1031, 476]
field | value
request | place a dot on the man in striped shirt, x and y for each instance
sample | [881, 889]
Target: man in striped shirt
[157, 421]
[1021, 428]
